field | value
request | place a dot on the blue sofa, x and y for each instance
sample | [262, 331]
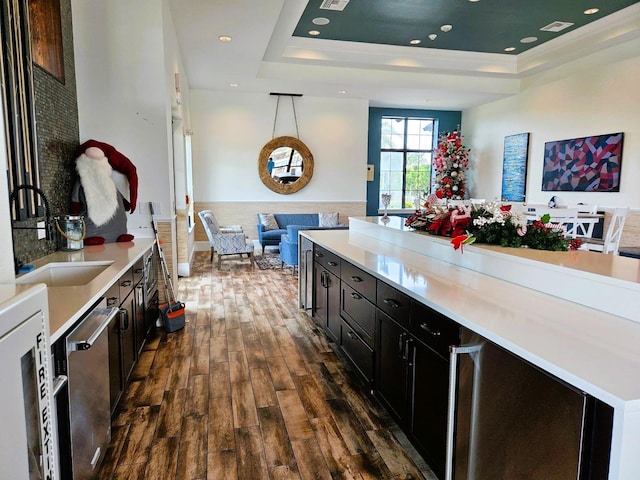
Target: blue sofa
[272, 237]
[289, 243]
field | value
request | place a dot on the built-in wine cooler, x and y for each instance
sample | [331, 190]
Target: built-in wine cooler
[28, 443]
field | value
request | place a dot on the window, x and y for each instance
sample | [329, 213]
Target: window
[406, 150]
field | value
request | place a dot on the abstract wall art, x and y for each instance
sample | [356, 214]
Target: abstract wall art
[514, 167]
[589, 164]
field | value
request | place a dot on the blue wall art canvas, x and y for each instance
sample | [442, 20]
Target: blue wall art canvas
[514, 167]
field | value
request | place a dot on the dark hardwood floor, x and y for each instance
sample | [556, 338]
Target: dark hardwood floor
[249, 389]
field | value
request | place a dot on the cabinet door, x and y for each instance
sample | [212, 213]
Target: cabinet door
[127, 340]
[319, 296]
[333, 306]
[429, 405]
[391, 366]
[115, 370]
[139, 330]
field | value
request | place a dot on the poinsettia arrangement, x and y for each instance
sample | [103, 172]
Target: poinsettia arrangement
[450, 163]
[491, 223]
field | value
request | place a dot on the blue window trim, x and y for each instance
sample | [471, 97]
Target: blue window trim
[445, 121]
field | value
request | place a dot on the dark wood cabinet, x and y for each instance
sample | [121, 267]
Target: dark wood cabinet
[427, 419]
[115, 377]
[127, 339]
[391, 375]
[326, 311]
[358, 352]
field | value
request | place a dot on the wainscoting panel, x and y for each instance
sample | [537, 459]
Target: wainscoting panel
[245, 213]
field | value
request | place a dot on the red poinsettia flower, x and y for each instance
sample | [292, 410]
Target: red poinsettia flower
[439, 193]
[460, 240]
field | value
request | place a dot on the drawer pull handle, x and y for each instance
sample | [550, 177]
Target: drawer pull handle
[126, 283]
[111, 301]
[332, 264]
[355, 296]
[425, 327]
[356, 279]
[319, 255]
[390, 302]
[352, 335]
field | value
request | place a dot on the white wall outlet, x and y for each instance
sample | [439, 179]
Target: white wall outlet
[42, 233]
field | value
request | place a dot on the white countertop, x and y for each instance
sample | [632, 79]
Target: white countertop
[591, 349]
[68, 304]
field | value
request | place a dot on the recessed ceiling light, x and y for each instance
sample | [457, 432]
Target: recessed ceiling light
[591, 11]
[474, 0]
[415, 42]
[233, 84]
[314, 33]
[509, 49]
[529, 39]
[320, 21]
[342, 92]
[446, 28]
[432, 36]
[224, 38]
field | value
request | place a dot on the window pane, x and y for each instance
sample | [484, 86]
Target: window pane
[406, 174]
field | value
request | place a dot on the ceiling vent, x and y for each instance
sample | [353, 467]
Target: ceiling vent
[337, 5]
[556, 26]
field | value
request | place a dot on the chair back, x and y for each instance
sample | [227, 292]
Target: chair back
[232, 243]
[210, 225]
[566, 217]
[614, 231]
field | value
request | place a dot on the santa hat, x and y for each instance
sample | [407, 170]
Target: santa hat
[119, 163]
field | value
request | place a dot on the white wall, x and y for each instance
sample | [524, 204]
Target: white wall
[595, 95]
[124, 98]
[231, 128]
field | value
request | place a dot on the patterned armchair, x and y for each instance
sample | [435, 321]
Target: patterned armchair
[233, 244]
[213, 229]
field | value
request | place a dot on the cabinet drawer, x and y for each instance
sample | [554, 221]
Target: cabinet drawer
[433, 328]
[358, 310]
[126, 284]
[359, 280]
[360, 354]
[138, 271]
[112, 296]
[327, 259]
[394, 303]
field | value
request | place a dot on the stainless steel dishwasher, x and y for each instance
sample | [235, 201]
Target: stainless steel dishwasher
[89, 407]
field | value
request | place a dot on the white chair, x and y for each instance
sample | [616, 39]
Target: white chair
[584, 229]
[213, 229]
[567, 217]
[611, 241]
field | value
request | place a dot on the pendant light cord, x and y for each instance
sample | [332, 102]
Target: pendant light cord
[295, 117]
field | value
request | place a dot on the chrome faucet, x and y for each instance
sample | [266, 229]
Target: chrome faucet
[47, 227]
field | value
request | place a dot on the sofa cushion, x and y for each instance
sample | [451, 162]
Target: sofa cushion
[274, 234]
[328, 219]
[269, 221]
[306, 219]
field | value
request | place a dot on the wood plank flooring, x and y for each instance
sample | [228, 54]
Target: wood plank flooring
[249, 390]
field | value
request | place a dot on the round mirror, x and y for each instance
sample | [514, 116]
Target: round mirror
[285, 165]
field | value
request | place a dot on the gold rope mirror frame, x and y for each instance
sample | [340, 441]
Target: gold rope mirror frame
[307, 165]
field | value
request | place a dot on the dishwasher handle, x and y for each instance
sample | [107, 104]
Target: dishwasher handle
[109, 314]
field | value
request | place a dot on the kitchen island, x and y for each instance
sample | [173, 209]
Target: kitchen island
[572, 314]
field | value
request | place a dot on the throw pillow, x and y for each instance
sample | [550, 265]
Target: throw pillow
[328, 219]
[269, 221]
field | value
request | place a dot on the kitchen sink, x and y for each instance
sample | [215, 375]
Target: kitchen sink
[65, 274]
